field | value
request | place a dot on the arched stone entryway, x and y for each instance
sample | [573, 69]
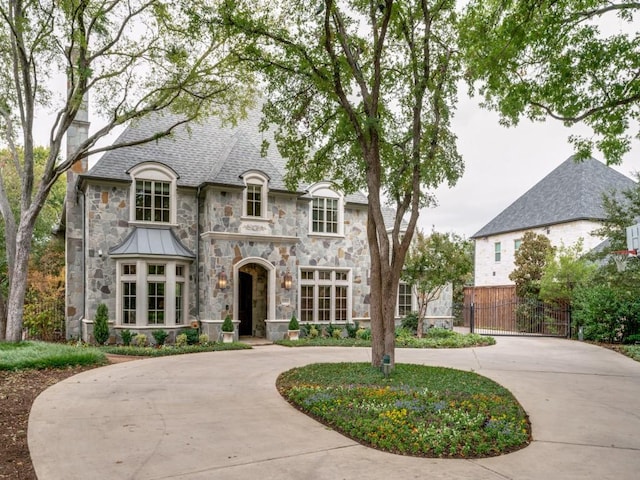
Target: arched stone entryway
[254, 295]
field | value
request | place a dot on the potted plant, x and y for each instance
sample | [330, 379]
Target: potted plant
[294, 328]
[227, 330]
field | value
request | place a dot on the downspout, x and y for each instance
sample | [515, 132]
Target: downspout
[199, 191]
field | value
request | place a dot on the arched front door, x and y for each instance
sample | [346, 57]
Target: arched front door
[252, 299]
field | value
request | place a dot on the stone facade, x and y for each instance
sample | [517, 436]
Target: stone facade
[264, 249]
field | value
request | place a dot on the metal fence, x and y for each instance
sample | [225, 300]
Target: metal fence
[519, 317]
[44, 320]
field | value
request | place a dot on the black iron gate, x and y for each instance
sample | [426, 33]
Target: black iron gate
[518, 317]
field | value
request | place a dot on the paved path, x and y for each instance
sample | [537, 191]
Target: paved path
[218, 416]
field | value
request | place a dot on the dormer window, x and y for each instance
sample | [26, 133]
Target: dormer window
[153, 193]
[326, 216]
[255, 194]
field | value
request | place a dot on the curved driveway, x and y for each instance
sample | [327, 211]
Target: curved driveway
[218, 416]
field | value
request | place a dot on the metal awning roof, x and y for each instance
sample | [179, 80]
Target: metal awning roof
[161, 242]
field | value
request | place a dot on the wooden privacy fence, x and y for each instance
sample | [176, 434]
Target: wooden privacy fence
[498, 311]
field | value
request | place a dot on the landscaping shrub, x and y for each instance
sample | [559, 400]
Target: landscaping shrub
[352, 329]
[293, 323]
[410, 322]
[363, 334]
[203, 339]
[140, 340]
[127, 336]
[192, 335]
[181, 340]
[101, 325]
[227, 325]
[159, 336]
[336, 333]
[606, 314]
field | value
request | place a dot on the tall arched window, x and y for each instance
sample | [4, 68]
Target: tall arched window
[153, 194]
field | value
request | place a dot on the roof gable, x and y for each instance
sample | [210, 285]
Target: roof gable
[573, 191]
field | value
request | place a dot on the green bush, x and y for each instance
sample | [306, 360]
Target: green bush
[410, 322]
[181, 340]
[192, 335]
[203, 339]
[336, 333]
[101, 325]
[352, 329]
[607, 314]
[227, 325]
[363, 334]
[293, 323]
[159, 336]
[126, 337]
[140, 340]
[313, 331]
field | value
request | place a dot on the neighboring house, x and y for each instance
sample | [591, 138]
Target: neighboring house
[565, 206]
[188, 229]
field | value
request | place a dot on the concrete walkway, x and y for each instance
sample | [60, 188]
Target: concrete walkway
[218, 416]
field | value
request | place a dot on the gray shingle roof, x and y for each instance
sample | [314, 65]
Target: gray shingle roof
[573, 191]
[204, 152]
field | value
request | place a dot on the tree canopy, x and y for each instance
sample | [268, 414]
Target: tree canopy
[574, 61]
[433, 262]
[135, 57]
[361, 92]
[530, 260]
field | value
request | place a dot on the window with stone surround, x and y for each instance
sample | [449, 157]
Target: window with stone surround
[151, 292]
[325, 295]
[326, 211]
[153, 194]
[255, 195]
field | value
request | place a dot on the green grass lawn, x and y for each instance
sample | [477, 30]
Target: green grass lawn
[418, 410]
[40, 355]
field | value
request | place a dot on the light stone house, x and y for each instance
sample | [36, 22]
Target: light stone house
[188, 229]
[565, 206]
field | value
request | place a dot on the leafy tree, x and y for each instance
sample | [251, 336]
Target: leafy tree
[45, 248]
[530, 260]
[362, 92]
[559, 59]
[565, 269]
[137, 57]
[432, 263]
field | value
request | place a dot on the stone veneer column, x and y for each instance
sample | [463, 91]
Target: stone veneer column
[74, 227]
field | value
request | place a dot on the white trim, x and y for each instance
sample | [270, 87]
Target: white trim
[153, 172]
[325, 190]
[333, 283]
[247, 237]
[257, 178]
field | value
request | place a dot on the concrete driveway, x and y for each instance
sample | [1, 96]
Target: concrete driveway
[218, 416]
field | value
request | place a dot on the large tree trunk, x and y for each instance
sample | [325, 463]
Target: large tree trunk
[3, 317]
[18, 285]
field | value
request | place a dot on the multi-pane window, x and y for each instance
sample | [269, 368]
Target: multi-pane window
[152, 293]
[324, 215]
[254, 200]
[153, 201]
[497, 249]
[516, 244]
[324, 295]
[129, 303]
[155, 309]
[404, 299]
[129, 298]
[179, 302]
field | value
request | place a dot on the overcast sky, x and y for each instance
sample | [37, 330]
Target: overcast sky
[500, 165]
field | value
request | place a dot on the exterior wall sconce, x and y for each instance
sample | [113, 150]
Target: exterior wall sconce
[222, 280]
[287, 281]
